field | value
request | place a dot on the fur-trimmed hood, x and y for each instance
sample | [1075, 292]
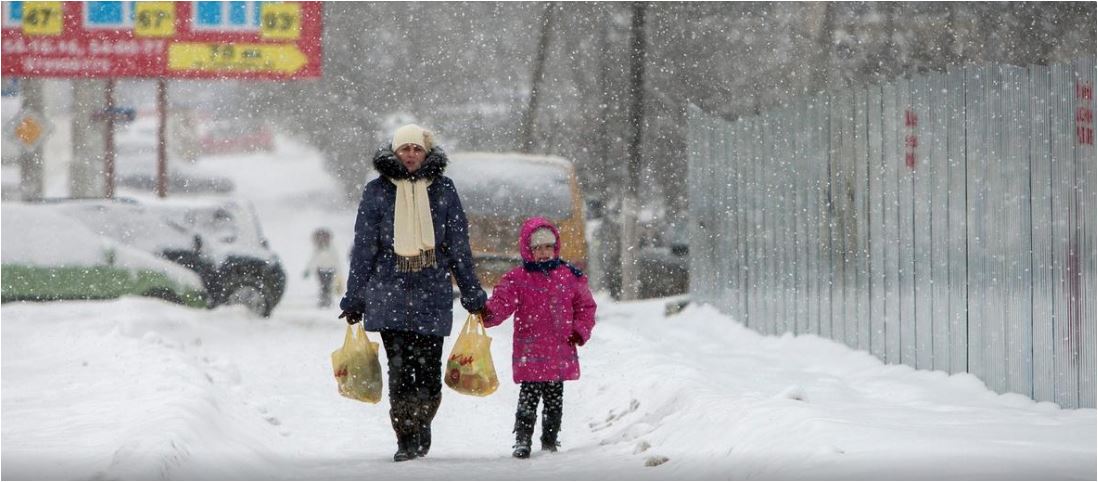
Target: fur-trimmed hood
[386, 163]
[528, 228]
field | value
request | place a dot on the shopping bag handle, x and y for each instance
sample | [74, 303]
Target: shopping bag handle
[474, 325]
[349, 338]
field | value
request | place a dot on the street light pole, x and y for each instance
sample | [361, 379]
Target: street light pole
[630, 284]
[161, 138]
[108, 152]
[31, 181]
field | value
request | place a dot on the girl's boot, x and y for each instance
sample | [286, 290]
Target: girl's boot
[550, 427]
[525, 417]
[524, 430]
[522, 445]
[551, 415]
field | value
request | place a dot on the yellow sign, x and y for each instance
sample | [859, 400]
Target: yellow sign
[214, 57]
[42, 18]
[28, 131]
[280, 21]
[154, 19]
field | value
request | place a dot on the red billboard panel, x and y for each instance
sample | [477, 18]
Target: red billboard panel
[193, 40]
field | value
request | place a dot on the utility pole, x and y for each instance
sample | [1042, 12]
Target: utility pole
[630, 284]
[821, 76]
[535, 82]
[605, 96]
[605, 239]
[88, 139]
[31, 181]
[108, 135]
[161, 137]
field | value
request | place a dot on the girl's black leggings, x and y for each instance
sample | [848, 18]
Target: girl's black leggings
[415, 365]
[529, 395]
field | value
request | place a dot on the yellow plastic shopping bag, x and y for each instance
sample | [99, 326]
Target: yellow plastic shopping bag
[469, 369]
[356, 366]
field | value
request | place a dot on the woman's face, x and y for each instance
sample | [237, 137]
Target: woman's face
[543, 252]
[411, 156]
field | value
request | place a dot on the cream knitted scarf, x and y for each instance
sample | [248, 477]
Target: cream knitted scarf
[413, 228]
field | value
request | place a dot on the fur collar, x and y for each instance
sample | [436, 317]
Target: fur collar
[386, 163]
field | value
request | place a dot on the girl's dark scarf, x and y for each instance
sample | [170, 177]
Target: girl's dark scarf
[550, 265]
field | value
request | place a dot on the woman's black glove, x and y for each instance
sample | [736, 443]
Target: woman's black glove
[351, 316]
[474, 303]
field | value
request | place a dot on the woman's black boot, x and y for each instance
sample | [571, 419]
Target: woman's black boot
[402, 413]
[406, 447]
[427, 411]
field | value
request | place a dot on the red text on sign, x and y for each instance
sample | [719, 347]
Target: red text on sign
[1084, 116]
[911, 141]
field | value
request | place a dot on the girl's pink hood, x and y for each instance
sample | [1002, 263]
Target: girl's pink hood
[528, 228]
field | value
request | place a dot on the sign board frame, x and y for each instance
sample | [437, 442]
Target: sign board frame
[184, 40]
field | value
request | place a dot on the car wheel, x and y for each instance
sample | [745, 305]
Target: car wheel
[250, 295]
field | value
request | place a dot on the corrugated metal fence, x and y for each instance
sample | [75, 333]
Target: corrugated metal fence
[945, 222]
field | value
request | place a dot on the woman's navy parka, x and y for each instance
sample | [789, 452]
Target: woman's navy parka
[419, 301]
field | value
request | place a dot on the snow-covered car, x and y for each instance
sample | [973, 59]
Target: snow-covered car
[500, 190]
[219, 240]
[47, 257]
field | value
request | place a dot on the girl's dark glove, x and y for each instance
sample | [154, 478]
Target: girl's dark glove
[575, 339]
[351, 316]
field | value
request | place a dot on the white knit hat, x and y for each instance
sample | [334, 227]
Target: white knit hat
[542, 236]
[412, 134]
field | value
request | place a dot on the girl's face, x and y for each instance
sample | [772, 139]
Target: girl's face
[411, 156]
[543, 252]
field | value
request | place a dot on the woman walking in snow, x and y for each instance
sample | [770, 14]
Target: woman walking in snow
[554, 313]
[325, 264]
[411, 234]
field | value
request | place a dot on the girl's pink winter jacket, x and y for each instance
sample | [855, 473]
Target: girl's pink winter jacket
[548, 308]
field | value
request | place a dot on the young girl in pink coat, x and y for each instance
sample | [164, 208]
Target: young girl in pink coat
[554, 313]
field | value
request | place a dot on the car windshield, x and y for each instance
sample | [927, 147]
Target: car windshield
[511, 187]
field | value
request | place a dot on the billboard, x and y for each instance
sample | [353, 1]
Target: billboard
[191, 40]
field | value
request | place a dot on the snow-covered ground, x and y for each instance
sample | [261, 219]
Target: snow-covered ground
[142, 389]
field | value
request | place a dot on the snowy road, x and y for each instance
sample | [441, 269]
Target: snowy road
[138, 388]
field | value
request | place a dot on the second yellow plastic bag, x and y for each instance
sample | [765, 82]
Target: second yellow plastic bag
[469, 369]
[356, 366]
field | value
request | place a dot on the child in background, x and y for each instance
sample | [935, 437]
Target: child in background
[554, 313]
[326, 264]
